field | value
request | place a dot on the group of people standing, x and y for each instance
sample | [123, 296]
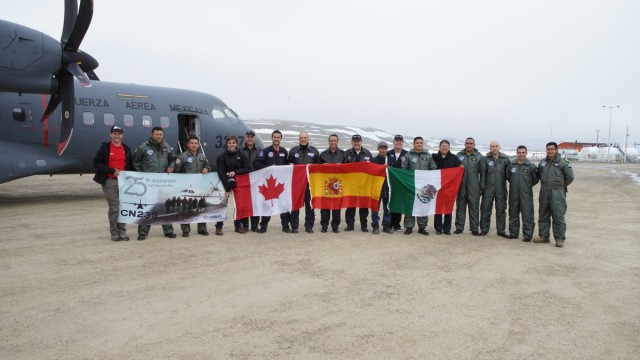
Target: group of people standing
[497, 180]
[489, 181]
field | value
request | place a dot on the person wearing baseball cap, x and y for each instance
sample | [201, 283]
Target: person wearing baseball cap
[111, 158]
[356, 154]
[396, 157]
[382, 159]
[250, 151]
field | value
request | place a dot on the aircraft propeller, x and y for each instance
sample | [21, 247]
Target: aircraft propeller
[75, 63]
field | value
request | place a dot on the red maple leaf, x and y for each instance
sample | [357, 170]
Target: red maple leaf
[271, 190]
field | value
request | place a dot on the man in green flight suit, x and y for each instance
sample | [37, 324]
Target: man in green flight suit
[555, 175]
[495, 190]
[471, 187]
[418, 159]
[154, 156]
[192, 162]
[522, 176]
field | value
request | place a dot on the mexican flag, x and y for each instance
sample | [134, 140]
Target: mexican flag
[270, 191]
[423, 192]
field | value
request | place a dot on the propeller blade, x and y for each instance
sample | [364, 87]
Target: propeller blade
[74, 69]
[65, 82]
[70, 14]
[54, 101]
[92, 75]
[81, 25]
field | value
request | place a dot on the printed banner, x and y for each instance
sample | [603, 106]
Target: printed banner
[338, 186]
[161, 198]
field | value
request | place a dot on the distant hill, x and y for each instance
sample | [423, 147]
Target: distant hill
[318, 135]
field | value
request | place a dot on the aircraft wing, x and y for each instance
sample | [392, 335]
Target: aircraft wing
[22, 160]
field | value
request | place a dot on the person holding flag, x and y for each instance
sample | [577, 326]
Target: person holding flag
[303, 154]
[357, 153]
[396, 157]
[230, 163]
[444, 159]
[417, 159]
[332, 155]
[382, 159]
[192, 162]
[273, 155]
[250, 151]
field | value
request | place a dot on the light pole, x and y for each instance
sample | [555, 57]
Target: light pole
[597, 137]
[610, 117]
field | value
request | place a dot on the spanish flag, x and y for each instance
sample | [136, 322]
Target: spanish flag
[337, 186]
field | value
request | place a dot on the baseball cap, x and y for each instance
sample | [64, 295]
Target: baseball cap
[116, 128]
[250, 132]
[382, 144]
[398, 137]
[356, 137]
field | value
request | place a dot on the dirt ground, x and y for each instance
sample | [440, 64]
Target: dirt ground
[67, 291]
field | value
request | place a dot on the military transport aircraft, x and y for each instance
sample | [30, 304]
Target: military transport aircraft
[54, 110]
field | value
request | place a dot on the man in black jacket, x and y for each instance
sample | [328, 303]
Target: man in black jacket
[250, 151]
[303, 154]
[382, 159]
[111, 158]
[444, 159]
[332, 155]
[356, 154]
[395, 158]
[273, 155]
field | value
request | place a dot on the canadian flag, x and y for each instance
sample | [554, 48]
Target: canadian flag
[270, 191]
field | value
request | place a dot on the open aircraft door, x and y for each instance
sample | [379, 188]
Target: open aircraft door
[189, 126]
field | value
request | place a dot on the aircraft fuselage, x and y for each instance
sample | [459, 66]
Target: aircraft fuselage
[28, 145]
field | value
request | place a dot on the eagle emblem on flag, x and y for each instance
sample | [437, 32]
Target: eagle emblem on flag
[333, 187]
[426, 193]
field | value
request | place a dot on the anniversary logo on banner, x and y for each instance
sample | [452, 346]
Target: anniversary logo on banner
[161, 198]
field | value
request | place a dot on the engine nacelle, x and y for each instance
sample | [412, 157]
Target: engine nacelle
[29, 59]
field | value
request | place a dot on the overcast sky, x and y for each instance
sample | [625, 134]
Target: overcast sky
[516, 71]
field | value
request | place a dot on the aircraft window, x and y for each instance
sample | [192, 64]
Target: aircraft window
[19, 114]
[164, 122]
[128, 120]
[109, 119]
[87, 118]
[230, 113]
[217, 114]
[146, 120]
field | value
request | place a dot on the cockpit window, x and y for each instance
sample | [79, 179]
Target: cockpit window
[217, 114]
[224, 114]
